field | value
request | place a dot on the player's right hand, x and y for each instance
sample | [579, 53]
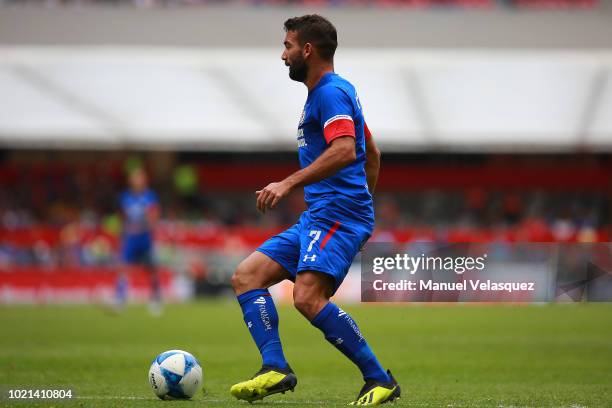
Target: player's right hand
[271, 194]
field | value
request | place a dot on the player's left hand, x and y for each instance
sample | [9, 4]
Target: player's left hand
[271, 194]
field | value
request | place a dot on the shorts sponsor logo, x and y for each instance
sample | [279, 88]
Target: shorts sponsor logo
[310, 258]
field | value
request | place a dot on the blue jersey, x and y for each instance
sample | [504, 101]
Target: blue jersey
[340, 215]
[333, 110]
[135, 207]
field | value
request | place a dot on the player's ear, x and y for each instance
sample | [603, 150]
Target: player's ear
[307, 50]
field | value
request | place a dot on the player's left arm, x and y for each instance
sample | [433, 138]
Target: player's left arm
[340, 153]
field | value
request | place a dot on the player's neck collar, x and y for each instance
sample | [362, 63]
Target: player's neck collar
[324, 79]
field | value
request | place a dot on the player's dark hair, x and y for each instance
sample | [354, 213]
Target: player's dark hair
[317, 30]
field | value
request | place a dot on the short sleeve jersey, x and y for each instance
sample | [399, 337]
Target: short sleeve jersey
[135, 207]
[333, 110]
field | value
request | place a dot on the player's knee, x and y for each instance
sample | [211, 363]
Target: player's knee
[301, 304]
[240, 279]
[307, 302]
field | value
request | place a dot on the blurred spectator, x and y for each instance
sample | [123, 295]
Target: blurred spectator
[53, 213]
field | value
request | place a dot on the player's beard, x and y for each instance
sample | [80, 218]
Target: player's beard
[298, 70]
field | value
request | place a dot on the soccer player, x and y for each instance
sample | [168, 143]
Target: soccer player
[140, 211]
[339, 169]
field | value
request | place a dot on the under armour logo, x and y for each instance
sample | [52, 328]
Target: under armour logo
[341, 312]
[339, 341]
[260, 301]
[250, 324]
[310, 258]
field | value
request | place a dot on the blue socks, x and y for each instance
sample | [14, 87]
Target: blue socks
[338, 327]
[342, 331]
[262, 320]
[121, 290]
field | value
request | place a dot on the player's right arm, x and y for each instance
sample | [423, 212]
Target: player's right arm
[339, 154]
[336, 112]
[372, 165]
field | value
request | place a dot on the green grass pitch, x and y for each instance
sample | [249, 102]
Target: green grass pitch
[443, 356]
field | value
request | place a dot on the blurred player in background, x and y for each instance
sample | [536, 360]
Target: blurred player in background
[340, 164]
[140, 211]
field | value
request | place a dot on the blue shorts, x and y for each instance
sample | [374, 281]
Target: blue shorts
[138, 249]
[322, 241]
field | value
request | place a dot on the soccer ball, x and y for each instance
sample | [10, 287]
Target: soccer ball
[175, 374]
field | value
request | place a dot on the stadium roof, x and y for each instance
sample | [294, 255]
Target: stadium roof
[168, 98]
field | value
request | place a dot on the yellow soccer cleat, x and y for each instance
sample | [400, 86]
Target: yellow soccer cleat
[267, 381]
[376, 393]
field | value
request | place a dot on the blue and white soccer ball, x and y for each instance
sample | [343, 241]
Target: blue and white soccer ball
[175, 374]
